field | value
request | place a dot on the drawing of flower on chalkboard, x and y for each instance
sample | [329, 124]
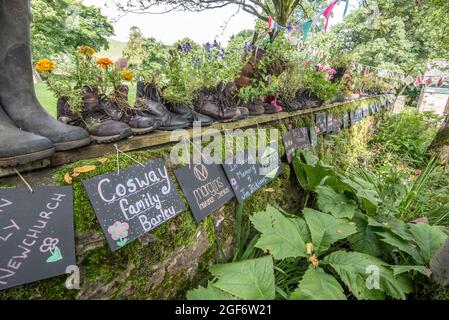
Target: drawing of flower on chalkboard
[119, 231]
[234, 182]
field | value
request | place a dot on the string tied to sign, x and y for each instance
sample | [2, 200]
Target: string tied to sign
[24, 181]
[126, 155]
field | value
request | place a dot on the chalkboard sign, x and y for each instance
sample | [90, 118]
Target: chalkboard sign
[289, 145]
[134, 202]
[365, 110]
[321, 121]
[247, 174]
[372, 107]
[356, 116]
[205, 187]
[336, 124]
[37, 238]
[345, 120]
[313, 136]
[301, 137]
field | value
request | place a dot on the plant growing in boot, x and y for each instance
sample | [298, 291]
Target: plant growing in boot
[20, 106]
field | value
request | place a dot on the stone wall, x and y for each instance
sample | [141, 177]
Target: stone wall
[175, 257]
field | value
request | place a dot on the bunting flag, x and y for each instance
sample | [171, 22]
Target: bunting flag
[440, 82]
[346, 8]
[305, 30]
[270, 22]
[429, 82]
[417, 81]
[327, 13]
[366, 71]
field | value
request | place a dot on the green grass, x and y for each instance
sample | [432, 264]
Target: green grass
[48, 100]
[115, 49]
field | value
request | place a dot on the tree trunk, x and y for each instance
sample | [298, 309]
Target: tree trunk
[440, 145]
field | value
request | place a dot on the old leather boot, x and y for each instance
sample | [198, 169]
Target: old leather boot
[149, 103]
[20, 147]
[17, 94]
[192, 116]
[255, 109]
[101, 126]
[139, 124]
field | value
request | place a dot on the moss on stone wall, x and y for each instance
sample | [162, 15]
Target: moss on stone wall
[174, 257]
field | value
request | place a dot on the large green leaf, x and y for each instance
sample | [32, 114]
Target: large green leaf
[283, 237]
[318, 285]
[365, 240]
[403, 245]
[336, 204]
[309, 171]
[397, 270]
[365, 192]
[354, 268]
[249, 279]
[428, 238]
[325, 229]
[209, 293]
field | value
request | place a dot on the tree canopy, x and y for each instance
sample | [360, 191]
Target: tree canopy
[60, 25]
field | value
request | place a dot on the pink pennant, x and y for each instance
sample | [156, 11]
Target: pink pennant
[440, 82]
[366, 71]
[429, 81]
[270, 22]
[327, 13]
[418, 81]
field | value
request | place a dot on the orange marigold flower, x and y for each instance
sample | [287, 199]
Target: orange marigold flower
[104, 63]
[45, 66]
[126, 74]
[86, 50]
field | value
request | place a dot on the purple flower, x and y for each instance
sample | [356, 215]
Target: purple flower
[248, 47]
[186, 47]
[290, 27]
[216, 45]
[208, 46]
[269, 79]
[222, 54]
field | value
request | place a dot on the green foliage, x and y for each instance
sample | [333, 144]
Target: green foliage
[407, 135]
[318, 285]
[281, 236]
[249, 279]
[60, 26]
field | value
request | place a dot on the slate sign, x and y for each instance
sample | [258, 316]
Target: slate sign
[345, 120]
[301, 137]
[132, 203]
[205, 187]
[37, 239]
[321, 122]
[373, 108]
[289, 145]
[313, 136]
[365, 110]
[356, 116]
[247, 173]
[336, 124]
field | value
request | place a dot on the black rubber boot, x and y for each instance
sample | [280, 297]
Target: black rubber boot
[17, 95]
[20, 147]
[192, 116]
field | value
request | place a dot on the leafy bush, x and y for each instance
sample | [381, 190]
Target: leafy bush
[342, 240]
[407, 135]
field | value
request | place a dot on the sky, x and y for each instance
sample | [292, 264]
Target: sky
[201, 27]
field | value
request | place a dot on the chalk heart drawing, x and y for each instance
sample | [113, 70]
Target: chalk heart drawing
[119, 232]
[201, 172]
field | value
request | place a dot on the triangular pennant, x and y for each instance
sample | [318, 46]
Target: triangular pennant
[305, 30]
[429, 82]
[270, 22]
[440, 82]
[417, 81]
[366, 71]
[327, 13]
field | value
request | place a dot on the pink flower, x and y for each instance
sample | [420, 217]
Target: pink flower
[119, 230]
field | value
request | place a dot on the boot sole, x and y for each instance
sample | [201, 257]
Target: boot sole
[26, 158]
[174, 127]
[140, 132]
[70, 145]
[108, 139]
